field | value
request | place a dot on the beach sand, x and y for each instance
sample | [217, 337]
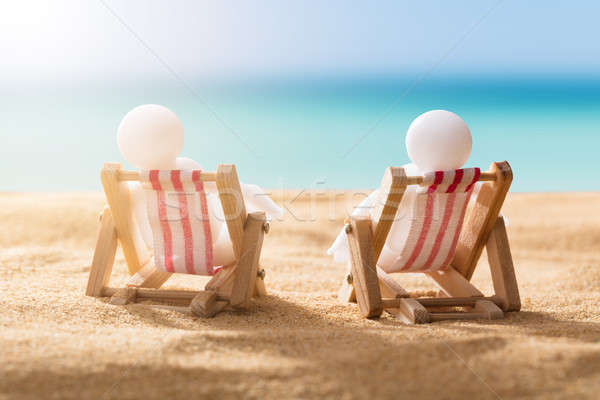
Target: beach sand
[300, 342]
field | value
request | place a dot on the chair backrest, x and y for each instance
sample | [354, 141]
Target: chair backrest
[478, 223]
[178, 215]
[114, 181]
[435, 218]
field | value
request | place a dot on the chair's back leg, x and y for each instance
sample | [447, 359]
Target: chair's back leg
[389, 287]
[230, 194]
[453, 284]
[502, 268]
[481, 219]
[104, 255]
[206, 304]
[247, 266]
[117, 195]
[222, 282]
[148, 277]
[391, 191]
[364, 271]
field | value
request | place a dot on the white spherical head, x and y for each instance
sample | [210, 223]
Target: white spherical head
[150, 137]
[438, 140]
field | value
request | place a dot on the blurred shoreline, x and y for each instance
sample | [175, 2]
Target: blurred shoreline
[326, 133]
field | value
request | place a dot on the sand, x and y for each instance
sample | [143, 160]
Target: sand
[299, 342]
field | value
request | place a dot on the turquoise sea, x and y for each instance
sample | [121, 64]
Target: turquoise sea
[317, 133]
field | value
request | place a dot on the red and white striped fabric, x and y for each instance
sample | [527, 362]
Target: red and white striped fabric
[437, 217]
[178, 215]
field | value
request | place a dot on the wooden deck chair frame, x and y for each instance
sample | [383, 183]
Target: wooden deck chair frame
[375, 291]
[233, 285]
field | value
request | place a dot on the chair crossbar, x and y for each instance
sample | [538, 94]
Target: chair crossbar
[486, 176]
[125, 176]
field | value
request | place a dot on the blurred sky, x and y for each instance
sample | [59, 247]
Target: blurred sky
[302, 89]
[66, 41]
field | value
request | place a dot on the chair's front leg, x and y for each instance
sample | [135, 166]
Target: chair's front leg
[247, 266]
[104, 255]
[346, 294]
[260, 289]
[364, 271]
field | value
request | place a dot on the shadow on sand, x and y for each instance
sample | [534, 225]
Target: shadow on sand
[292, 351]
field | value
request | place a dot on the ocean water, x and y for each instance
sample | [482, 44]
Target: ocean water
[320, 133]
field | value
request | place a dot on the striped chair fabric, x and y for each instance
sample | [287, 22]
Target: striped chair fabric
[437, 217]
[178, 214]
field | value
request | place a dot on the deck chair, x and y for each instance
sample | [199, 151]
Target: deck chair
[182, 242]
[441, 242]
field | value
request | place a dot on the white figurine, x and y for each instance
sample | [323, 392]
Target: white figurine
[151, 137]
[437, 140]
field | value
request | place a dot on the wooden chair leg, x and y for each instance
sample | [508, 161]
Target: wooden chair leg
[480, 221]
[364, 272]
[104, 255]
[222, 281]
[502, 268]
[260, 289]
[247, 266]
[148, 277]
[206, 304]
[346, 294]
[453, 284]
[118, 197]
[489, 309]
[388, 285]
[123, 296]
[412, 312]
